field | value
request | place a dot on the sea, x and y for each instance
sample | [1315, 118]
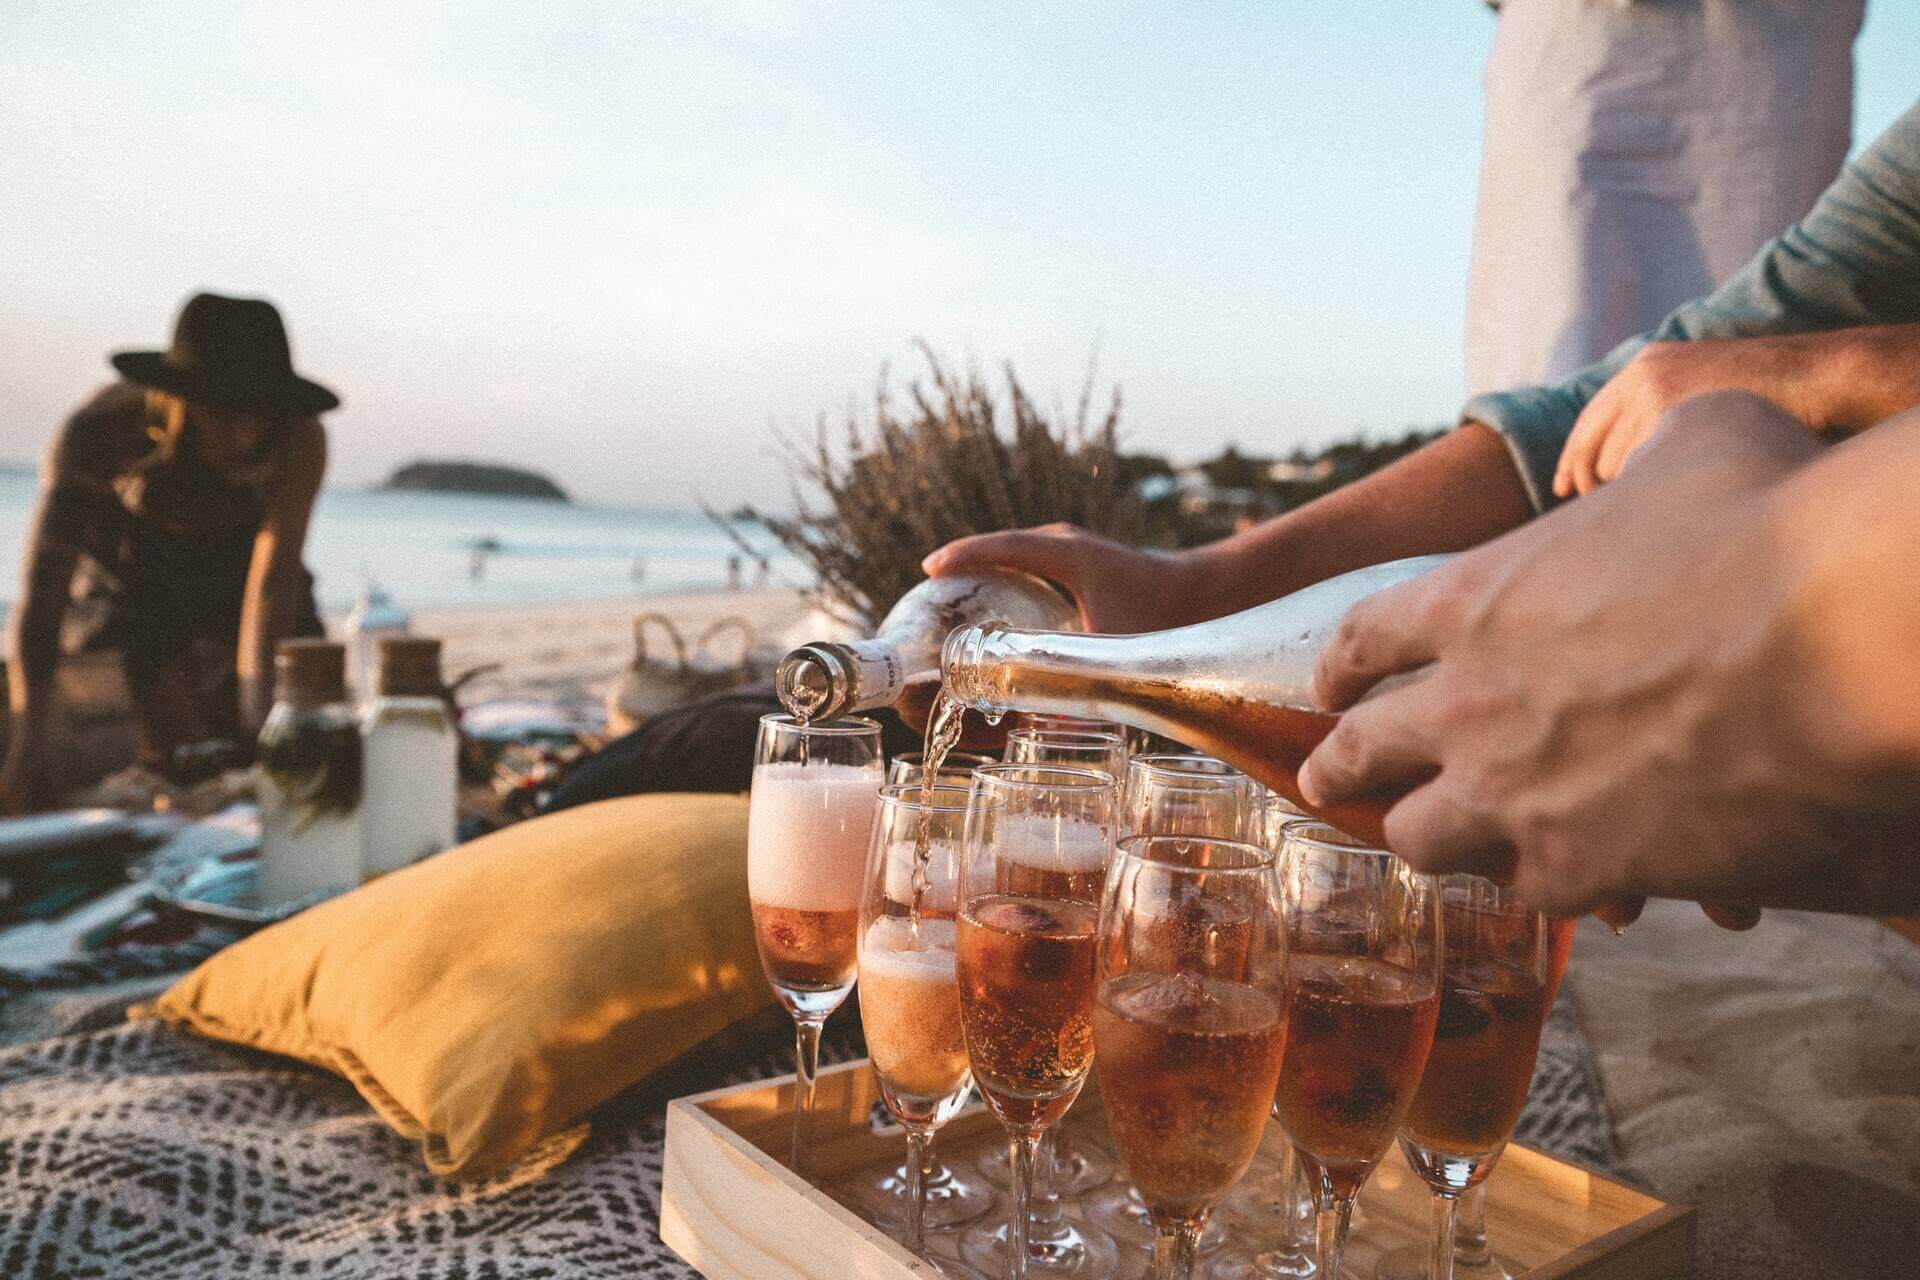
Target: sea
[437, 549]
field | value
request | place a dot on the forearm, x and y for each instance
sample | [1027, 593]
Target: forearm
[1453, 494]
[1865, 376]
[33, 655]
[33, 633]
[266, 618]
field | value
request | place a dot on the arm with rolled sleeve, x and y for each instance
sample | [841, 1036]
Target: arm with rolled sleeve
[1854, 260]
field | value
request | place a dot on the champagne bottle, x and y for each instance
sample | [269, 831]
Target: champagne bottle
[900, 665]
[1238, 687]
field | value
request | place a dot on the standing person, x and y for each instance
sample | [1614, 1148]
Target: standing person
[173, 513]
[1636, 154]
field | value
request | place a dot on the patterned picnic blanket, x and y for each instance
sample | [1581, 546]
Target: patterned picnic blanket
[132, 1149]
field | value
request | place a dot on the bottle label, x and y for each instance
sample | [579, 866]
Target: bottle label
[878, 675]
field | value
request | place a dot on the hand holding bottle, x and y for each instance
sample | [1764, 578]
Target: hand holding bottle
[1625, 698]
[1120, 589]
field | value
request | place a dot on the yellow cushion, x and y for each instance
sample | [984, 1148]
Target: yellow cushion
[488, 997]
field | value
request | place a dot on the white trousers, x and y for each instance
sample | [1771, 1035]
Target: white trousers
[1636, 154]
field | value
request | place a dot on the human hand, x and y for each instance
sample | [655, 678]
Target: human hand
[1120, 589]
[1619, 419]
[1619, 703]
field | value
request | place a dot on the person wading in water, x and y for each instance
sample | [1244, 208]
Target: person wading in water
[173, 511]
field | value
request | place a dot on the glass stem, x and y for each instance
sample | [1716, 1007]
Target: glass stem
[1046, 1187]
[806, 1065]
[918, 1143]
[1175, 1248]
[1440, 1264]
[1470, 1248]
[1299, 1202]
[1330, 1232]
[938, 1175]
[1292, 1206]
[1021, 1147]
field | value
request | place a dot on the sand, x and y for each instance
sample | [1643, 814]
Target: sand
[567, 651]
[1771, 1078]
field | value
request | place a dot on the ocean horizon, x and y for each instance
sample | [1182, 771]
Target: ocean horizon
[420, 547]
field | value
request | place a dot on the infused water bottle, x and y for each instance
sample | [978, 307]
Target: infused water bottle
[900, 665]
[1238, 687]
[310, 778]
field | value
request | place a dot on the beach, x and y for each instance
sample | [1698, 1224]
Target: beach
[575, 650]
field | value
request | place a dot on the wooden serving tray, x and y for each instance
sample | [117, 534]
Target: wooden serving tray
[732, 1207]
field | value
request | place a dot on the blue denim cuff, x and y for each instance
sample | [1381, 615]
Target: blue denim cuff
[1535, 423]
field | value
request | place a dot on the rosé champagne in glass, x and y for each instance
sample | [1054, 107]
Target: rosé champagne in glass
[1363, 979]
[809, 820]
[1032, 862]
[1189, 1054]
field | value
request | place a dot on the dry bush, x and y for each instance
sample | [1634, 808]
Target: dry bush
[944, 461]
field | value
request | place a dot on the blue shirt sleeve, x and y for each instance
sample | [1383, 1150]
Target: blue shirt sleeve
[1853, 260]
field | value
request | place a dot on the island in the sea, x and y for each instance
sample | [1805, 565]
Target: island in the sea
[476, 477]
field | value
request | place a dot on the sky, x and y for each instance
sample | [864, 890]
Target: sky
[631, 244]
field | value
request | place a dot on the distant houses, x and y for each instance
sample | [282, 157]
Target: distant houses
[1206, 500]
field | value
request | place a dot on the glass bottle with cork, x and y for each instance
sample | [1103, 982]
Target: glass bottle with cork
[311, 834]
[412, 758]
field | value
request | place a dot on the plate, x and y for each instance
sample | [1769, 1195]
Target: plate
[225, 893]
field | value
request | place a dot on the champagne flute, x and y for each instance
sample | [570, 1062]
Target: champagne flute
[948, 1198]
[911, 766]
[1072, 748]
[1189, 1023]
[1277, 1204]
[815, 787]
[909, 1002]
[1363, 978]
[1172, 795]
[1032, 862]
[1068, 1166]
[1189, 795]
[1496, 985]
[1472, 1254]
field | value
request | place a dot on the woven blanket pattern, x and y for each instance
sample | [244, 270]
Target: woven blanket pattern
[132, 1149]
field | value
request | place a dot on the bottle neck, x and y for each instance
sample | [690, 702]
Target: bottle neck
[827, 680]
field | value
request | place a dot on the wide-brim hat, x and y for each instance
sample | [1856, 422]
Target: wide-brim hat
[230, 353]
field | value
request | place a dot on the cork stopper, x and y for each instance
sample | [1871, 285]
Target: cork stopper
[410, 667]
[310, 673]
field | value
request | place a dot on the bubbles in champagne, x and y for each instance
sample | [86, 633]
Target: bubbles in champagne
[807, 833]
[910, 1007]
[943, 734]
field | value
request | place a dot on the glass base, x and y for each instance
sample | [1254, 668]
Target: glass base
[1118, 1210]
[951, 1202]
[1239, 1264]
[1409, 1262]
[1078, 1166]
[1063, 1249]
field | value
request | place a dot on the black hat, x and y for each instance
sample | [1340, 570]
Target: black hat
[231, 353]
